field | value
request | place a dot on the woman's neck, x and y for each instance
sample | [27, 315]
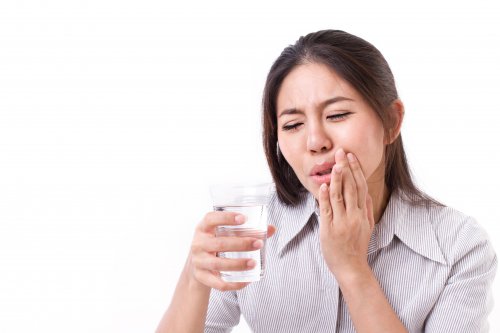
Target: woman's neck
[380, 198]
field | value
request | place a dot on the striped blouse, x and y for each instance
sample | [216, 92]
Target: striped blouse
[435, 266]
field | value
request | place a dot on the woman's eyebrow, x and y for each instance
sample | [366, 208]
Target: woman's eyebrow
[322, 105]
[290, 111]
[334, 100]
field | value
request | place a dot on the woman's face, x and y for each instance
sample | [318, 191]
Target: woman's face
[318, 113]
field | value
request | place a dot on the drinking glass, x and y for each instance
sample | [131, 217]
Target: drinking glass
[250, 201]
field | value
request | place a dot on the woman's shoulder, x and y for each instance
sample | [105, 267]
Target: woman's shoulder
[446, 232]
[444, 219]
[448, 220]
[456, 232]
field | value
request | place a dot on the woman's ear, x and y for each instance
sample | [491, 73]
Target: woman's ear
[397, 112]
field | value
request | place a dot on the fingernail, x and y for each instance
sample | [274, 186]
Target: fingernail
[337, 169]
[351, 157]
[341, 153]
[251, 263]
[323, 187]
[258, 244]
[239, 219]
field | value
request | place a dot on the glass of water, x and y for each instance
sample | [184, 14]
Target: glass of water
[250, 201]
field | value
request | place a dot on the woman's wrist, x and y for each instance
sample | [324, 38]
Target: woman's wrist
[193, 284]
[355, 278]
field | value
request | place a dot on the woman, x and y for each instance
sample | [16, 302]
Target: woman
[358, 248]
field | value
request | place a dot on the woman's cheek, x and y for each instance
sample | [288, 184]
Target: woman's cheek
[366, 163]
[372, 164]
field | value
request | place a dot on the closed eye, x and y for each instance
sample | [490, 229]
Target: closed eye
[335, 117]
[338, 116]
[291, 127]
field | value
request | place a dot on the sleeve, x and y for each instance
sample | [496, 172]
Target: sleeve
[466, 300]
[223, 312]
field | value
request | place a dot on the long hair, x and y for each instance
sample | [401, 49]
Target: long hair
[364, 67]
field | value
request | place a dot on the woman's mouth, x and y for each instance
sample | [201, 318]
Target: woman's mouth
[321, 173]
[324, 172]
[322, 176]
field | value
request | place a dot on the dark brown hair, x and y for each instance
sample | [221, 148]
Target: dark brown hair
[364, 67]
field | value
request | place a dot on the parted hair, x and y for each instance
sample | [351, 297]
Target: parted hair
[363, 66]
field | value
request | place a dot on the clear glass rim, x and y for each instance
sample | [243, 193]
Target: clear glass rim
[225, 194]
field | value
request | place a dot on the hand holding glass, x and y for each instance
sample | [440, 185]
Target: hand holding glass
[250, 201]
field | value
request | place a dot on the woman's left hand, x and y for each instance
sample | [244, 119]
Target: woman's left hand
[346, 218]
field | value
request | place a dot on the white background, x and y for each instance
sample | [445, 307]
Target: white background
[115, 116]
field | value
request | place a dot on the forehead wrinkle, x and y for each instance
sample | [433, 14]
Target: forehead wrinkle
[313, 83]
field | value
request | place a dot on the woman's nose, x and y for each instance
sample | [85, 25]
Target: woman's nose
[318, 140]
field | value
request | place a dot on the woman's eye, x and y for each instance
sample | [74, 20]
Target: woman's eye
[291, 127]
[335, 117]
[338, 116]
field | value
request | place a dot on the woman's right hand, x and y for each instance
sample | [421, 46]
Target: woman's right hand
[204, 264]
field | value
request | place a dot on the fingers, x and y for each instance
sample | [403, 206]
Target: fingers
[231, 244]
[359, 178]
[205, 262]
[369, 211]
[336, 191]
[271, 229]
[208, 262]
[325, 208]
[214, 219]
[348, 183]
[214, 281]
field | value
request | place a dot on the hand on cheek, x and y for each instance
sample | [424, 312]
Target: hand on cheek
[346, 217]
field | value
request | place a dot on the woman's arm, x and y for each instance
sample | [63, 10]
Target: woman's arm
[346, 224]
[466, 300]
[188, 309]
[368, 306]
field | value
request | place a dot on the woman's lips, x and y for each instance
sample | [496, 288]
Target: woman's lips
[322, 179]
[322, 173]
